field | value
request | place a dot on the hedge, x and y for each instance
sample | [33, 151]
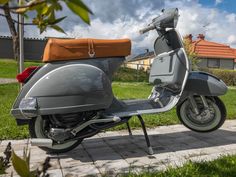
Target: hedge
[228, 76]
[125, 74]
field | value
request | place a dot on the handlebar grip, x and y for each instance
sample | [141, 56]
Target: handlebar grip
[144, 30]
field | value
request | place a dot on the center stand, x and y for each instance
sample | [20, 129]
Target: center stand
[150, 150]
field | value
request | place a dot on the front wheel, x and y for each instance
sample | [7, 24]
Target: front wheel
[208, 119]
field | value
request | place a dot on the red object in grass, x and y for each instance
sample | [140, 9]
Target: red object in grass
[25, 74]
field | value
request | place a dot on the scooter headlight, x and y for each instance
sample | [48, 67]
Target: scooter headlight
[168, 19]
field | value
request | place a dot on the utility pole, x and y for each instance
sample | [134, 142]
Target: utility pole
[21, 42]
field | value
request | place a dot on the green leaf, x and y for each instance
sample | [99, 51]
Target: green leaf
[28, 159]
[26, 16]
[58, 28]
[3, 1]
[56, 21]
[26, 155]
[57, 6]
[20, 165]
[50, 9]
[45, 10]
[21, 2]
[81, 4]
[52, 16]
[38, 8]
[42, 28]
[78, 10]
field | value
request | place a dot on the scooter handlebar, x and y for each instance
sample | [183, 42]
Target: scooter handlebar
[144, 30]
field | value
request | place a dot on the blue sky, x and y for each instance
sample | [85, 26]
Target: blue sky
[225, 5]
[112, 19]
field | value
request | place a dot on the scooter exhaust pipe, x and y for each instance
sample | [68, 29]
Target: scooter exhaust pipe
[43, 142]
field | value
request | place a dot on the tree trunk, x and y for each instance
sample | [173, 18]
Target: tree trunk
[14, 34]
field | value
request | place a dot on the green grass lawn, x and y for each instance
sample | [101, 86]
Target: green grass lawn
[8, 68]
[222, 167]
[8, 128]
[8, 93]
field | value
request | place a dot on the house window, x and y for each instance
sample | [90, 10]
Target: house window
[213, 63]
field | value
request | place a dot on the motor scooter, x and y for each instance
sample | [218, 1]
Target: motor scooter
[70, 98]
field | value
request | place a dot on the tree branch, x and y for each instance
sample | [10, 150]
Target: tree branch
[10, 20]
[15, 37]
[15, 21]
[30, 4]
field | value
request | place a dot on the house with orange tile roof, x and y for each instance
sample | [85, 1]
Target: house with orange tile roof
[212, 54]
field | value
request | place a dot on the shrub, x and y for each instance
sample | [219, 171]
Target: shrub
[125, 74]
[192, 55]
[228, 76]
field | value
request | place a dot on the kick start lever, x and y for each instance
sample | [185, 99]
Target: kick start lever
[94, 121]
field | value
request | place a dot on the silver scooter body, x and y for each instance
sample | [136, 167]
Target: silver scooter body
[85, 85]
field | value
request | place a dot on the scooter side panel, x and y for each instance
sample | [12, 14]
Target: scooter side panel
[65, 88]
[69, 87]
[107, 65]
[202, 83]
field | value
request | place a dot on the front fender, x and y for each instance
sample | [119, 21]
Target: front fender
[202, 83]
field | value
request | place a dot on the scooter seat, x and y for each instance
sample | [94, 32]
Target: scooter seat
[74, 49]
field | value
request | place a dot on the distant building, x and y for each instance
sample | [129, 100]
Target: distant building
[141, 61]
[33, 47]
[211, 55]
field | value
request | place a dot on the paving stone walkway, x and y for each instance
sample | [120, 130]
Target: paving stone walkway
[7, 81]
[117, 152]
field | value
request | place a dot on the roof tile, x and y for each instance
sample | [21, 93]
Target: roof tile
[208, 49]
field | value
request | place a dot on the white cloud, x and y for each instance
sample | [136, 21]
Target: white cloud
[231, 18]
[217, 25]
[232, 39]
[194, 19]
[117, 29]
[218, 2]
[118, 21]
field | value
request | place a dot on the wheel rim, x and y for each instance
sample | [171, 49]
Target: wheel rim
[206, 121]
[39, 132]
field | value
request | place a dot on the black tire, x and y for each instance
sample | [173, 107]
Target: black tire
[35, 131]
[216, 122]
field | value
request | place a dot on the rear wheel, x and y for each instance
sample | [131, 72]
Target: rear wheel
[208, 119]
[38, 128]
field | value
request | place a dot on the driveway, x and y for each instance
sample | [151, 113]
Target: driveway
[117, 152]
